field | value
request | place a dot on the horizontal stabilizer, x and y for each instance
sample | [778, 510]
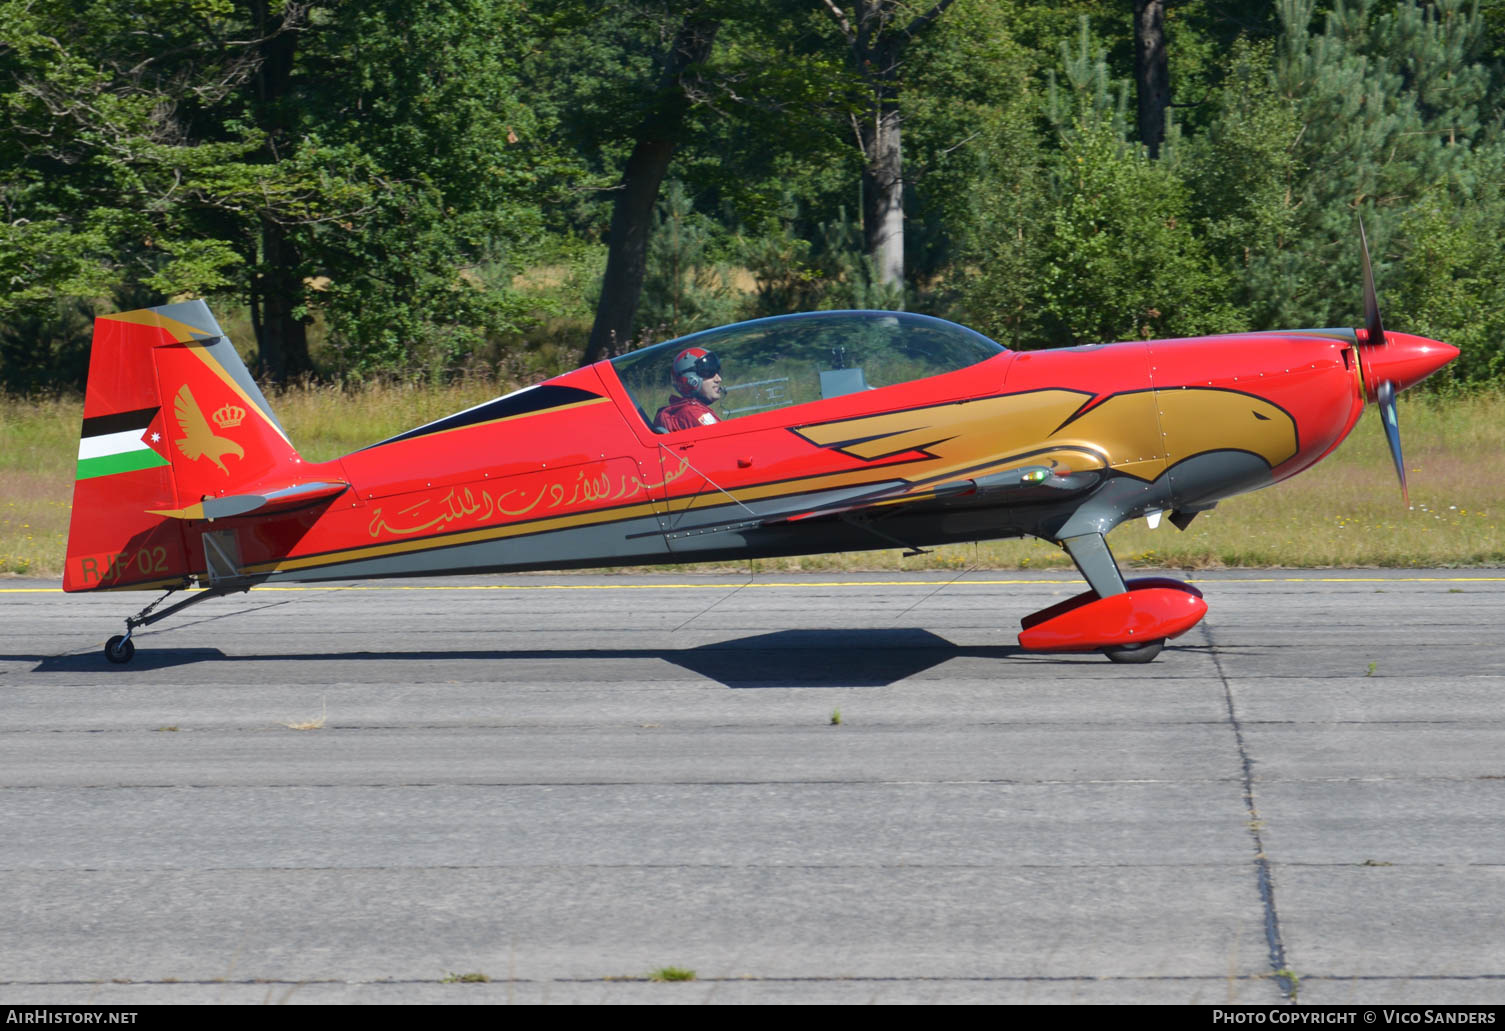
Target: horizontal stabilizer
[280, 500]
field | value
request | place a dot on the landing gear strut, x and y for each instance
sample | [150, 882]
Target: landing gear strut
[1095, 561]
[120, 649]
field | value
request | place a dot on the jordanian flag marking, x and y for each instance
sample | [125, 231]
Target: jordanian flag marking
[117, 444]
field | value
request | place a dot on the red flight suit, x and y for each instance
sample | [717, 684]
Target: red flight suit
[684, 413]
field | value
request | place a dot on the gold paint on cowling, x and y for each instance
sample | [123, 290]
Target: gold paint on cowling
[1196, 417]
[998, 431]
[1138, 433]
[959, 434]
[1125, 428]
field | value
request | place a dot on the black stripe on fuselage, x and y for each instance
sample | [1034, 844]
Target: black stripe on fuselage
[140, 419]
[536, 399]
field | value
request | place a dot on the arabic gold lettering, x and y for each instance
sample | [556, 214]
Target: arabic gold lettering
[518, 511]
[457, 505]
[461, 505]
[670, 477]
[590, 488]
[379, 523]
[476, 504]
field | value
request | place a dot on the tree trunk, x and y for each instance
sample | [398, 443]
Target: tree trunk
[627, 252]
[876, 42]
[632, 215]
[282, 337]
[883, 171]
[1152, 75]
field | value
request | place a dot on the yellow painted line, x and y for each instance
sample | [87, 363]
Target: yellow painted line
[1355, 580]
[259, 588]
[665, 587]
[263, 588]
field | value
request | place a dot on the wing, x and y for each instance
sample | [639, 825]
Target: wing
[1011, 485]
[1008, 484]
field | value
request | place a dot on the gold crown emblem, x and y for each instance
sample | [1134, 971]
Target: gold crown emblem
[230, 415]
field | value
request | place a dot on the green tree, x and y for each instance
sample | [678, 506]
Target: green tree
[102, 185]
[265, 148]
[878, 35]
[684, 289]
[1451, 281]
[658, 134]
[422, 104]
[1243, 171]
[970, 109]
[1091, 240]
[1389, 109]
[1120, 259]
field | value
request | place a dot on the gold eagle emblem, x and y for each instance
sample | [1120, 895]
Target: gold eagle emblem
[198, 440]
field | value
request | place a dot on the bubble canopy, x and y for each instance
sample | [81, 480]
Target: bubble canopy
[793, 359]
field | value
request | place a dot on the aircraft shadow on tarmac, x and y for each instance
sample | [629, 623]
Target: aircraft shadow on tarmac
[785, 658]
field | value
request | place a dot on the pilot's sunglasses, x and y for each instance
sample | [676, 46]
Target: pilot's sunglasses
[707, 365]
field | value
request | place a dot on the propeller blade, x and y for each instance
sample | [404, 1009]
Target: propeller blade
[1386, 397]
[1376, 331]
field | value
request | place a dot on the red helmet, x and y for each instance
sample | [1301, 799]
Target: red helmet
[692, 367]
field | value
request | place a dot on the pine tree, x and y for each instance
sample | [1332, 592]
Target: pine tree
[1119, 259]
[1387, 108]
[683, 289]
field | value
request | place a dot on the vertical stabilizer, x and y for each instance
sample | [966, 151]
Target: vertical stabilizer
[171, 419]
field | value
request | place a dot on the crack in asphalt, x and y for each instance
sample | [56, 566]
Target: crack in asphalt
[1278, 965]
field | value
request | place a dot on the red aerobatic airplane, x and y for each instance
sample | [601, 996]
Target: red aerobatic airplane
[831, 431]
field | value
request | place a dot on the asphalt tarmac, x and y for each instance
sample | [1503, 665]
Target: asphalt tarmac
[813, 788]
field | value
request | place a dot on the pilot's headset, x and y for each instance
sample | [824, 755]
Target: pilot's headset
[692, 367]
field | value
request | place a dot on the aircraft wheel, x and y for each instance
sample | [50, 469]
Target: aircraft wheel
[120, 649]
[1145, 652]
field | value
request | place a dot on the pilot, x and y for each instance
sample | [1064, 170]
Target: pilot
[697, 380]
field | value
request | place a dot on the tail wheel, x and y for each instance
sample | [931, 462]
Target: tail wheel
[1145, 652]
[120, 649]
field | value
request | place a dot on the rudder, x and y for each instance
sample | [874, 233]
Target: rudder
[172, 419]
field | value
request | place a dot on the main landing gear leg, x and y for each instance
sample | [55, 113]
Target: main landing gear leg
[1095, 562]
[120, 649]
